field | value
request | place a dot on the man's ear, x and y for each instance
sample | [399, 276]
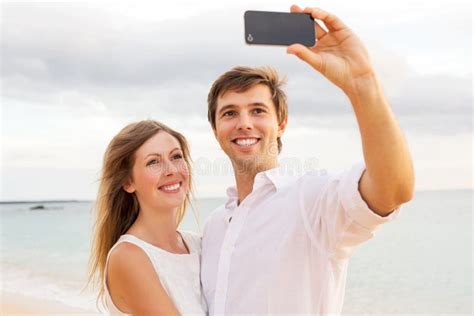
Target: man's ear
[214, 130]
[282, 127]
[129, 187]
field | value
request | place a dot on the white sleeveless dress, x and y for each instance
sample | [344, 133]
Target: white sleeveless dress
[178, 273]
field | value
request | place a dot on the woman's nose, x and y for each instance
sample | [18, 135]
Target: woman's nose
[169, 168]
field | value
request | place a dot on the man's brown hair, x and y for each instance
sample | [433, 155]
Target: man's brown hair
[240, 79]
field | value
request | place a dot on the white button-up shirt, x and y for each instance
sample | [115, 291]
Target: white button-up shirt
[285, 248]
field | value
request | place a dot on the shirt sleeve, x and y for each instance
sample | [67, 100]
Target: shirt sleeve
[337, 218]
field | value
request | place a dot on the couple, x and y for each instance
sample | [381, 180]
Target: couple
[280, 244]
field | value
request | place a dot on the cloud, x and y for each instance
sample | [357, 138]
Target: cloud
[73, 55]
[73, 74]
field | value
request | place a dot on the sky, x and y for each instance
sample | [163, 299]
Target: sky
[74, 73]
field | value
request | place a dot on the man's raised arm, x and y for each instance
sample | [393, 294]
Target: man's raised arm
[340, 56]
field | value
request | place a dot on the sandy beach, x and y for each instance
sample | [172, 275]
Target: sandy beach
[20, 305]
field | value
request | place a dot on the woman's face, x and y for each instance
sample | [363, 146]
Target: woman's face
[160, 177]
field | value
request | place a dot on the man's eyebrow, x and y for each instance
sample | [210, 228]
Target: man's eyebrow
[159, 155]
[259, 104]
[225, 107]
[229, 106]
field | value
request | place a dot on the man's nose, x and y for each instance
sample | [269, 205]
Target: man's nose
[244, 122]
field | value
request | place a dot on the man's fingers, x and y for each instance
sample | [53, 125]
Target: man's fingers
[296, 9]
[305, 54]
[332, 22]
[320, 32]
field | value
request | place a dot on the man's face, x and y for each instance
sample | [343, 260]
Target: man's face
[247, 128]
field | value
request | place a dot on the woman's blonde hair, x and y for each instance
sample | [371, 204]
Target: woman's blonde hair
[116, 210]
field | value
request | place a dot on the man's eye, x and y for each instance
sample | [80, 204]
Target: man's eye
[258, 111]
[229, 113]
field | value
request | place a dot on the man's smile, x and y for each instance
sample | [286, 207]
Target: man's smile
[246, 141]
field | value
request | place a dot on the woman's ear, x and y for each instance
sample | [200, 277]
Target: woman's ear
[129, 187]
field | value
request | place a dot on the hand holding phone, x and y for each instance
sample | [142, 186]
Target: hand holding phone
[279, 28]
[340, 54]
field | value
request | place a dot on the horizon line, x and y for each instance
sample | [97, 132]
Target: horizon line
[205, 197]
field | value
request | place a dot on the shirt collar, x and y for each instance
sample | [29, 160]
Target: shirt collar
[279, 177]
[232, 197]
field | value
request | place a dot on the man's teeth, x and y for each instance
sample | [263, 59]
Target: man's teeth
[246, 142]
[171, 187]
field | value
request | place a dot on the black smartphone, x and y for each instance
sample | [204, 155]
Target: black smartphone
[279, 28]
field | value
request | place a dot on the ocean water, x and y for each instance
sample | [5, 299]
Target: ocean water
[419, 263]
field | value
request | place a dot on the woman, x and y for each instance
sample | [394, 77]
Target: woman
[144, 265]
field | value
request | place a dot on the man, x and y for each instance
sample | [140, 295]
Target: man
[280, 245]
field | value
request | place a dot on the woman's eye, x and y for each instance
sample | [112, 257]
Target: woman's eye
[152, 162]
[177, 156]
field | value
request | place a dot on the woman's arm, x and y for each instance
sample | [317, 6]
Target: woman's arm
[134, 285]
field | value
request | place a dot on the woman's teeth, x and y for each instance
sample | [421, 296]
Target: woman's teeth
[171, 187]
